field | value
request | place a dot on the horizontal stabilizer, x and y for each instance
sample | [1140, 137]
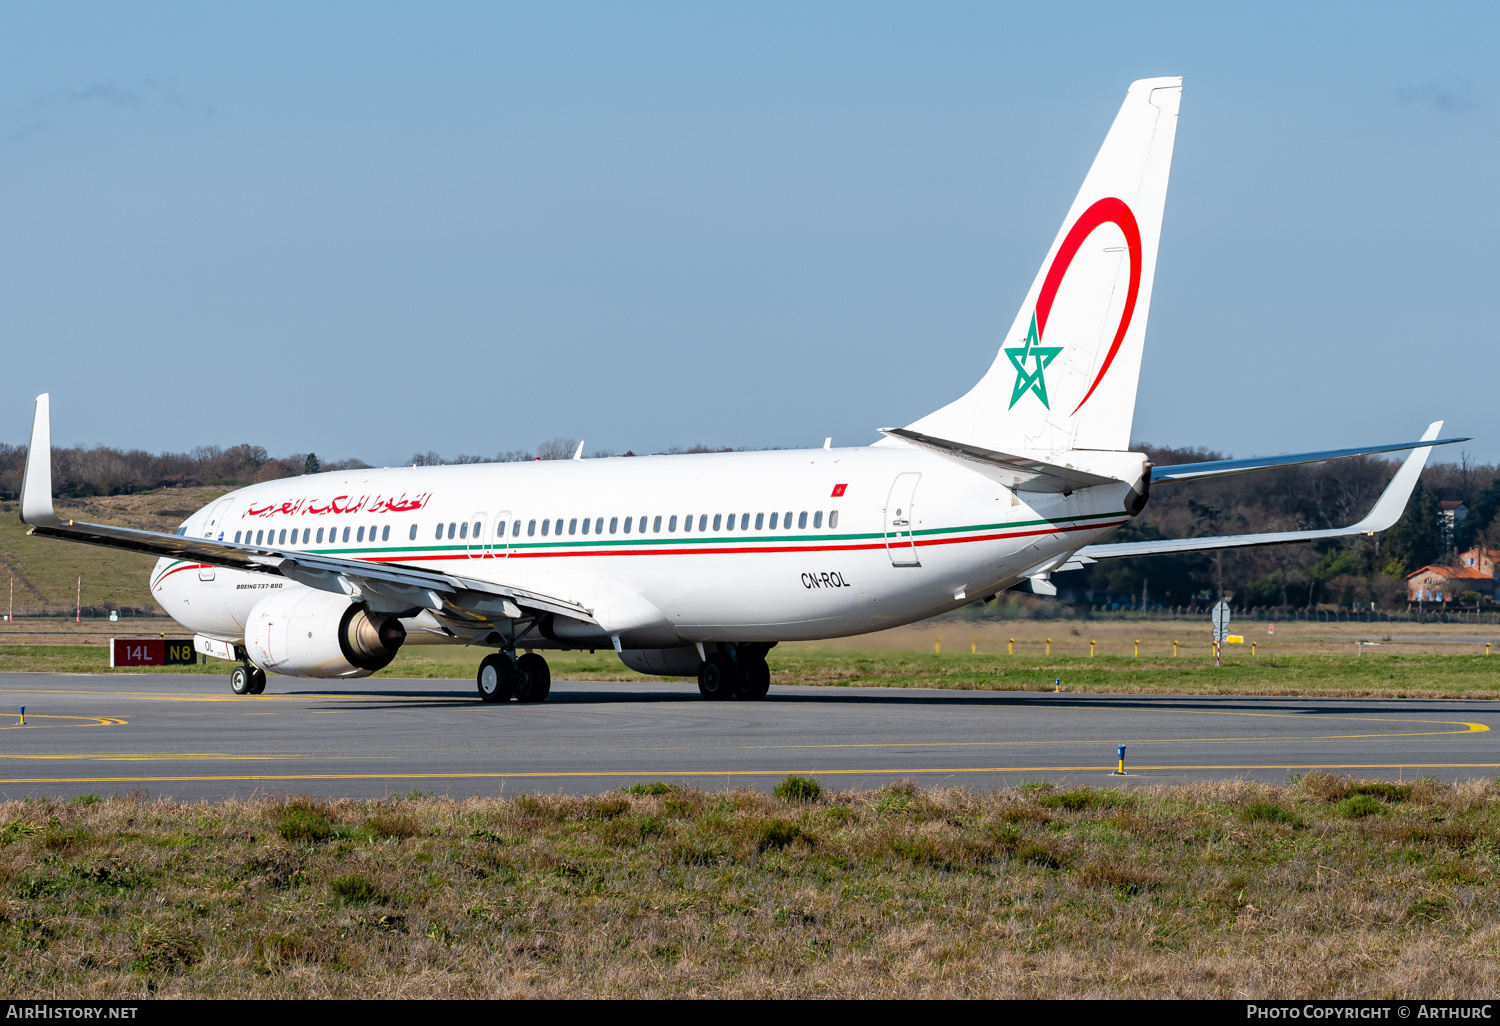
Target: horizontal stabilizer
[1387, 511]
[1028, 475]
[1219, 468]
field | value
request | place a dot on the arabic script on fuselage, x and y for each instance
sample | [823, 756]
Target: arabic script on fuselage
[341, 504]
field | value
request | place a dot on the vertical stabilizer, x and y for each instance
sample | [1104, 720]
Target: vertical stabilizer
[1066, 374]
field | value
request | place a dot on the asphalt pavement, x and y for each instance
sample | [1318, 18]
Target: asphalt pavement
[188, 737]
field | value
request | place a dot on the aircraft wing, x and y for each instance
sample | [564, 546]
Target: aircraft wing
[392, 584]
[1387, 511]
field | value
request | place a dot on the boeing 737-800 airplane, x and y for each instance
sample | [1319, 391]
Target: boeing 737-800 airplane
[699, 564]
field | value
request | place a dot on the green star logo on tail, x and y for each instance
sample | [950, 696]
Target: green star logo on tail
[1031, 380]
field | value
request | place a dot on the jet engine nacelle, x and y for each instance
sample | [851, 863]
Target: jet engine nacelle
[303, 632]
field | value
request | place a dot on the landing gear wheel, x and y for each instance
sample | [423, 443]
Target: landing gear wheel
[247, 680]
[716, 678]
[497, 678]
[535, 682]
[754, 679]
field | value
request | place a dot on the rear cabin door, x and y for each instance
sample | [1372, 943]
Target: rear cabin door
[899, 543]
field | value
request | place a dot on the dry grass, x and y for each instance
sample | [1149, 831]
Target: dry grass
[1329, 887]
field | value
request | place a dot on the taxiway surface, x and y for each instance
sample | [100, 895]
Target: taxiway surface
[189, 738]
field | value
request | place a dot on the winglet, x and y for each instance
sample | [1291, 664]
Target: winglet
[1392, 502]
[36, 484]
[579, 454]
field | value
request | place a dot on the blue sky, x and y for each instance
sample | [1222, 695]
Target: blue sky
[371, 230]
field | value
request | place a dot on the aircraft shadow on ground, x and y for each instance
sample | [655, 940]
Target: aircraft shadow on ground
[895, 697]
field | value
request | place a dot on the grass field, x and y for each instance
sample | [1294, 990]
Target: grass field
[1322, 888]
[44, 572]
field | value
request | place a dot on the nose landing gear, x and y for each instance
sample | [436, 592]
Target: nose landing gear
[246, 679]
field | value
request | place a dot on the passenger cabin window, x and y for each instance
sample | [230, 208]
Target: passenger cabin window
[687, 522]
[546, 527]
[360, 535]
[801, 520]
[760, 520]
[720, 516]
[671, 524]
[440, 532]
[500, 529]
[531, 528]
[515, 529]
[410, 537]
[283, 537]
[598, 525]
[614, 522]
[258, 536]
[573, 526]
[452, 527]
[237, 537]
[744, 521]
[703, 522]
[463, 530]
[585, 525]
[773, 521]
[385, 533]
[833, 518]
[656, 527]
[557, 528]
[627, 524]
[818, 519]
[346, 534]
[787, 522]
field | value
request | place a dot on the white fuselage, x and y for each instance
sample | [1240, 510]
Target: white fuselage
[823, 543]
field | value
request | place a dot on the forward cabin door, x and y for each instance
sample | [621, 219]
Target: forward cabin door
[899, 543]
[478, 539]
[214, 528]
[500, 536]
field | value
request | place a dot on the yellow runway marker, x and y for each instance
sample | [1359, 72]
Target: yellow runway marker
[87, 721]
[159, 757]
[876, 771]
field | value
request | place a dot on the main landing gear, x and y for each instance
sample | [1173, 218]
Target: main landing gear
[722, 677]
[246, 679]
[504, 676]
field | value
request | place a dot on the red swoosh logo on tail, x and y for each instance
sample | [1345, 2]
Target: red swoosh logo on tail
[1105, 211]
